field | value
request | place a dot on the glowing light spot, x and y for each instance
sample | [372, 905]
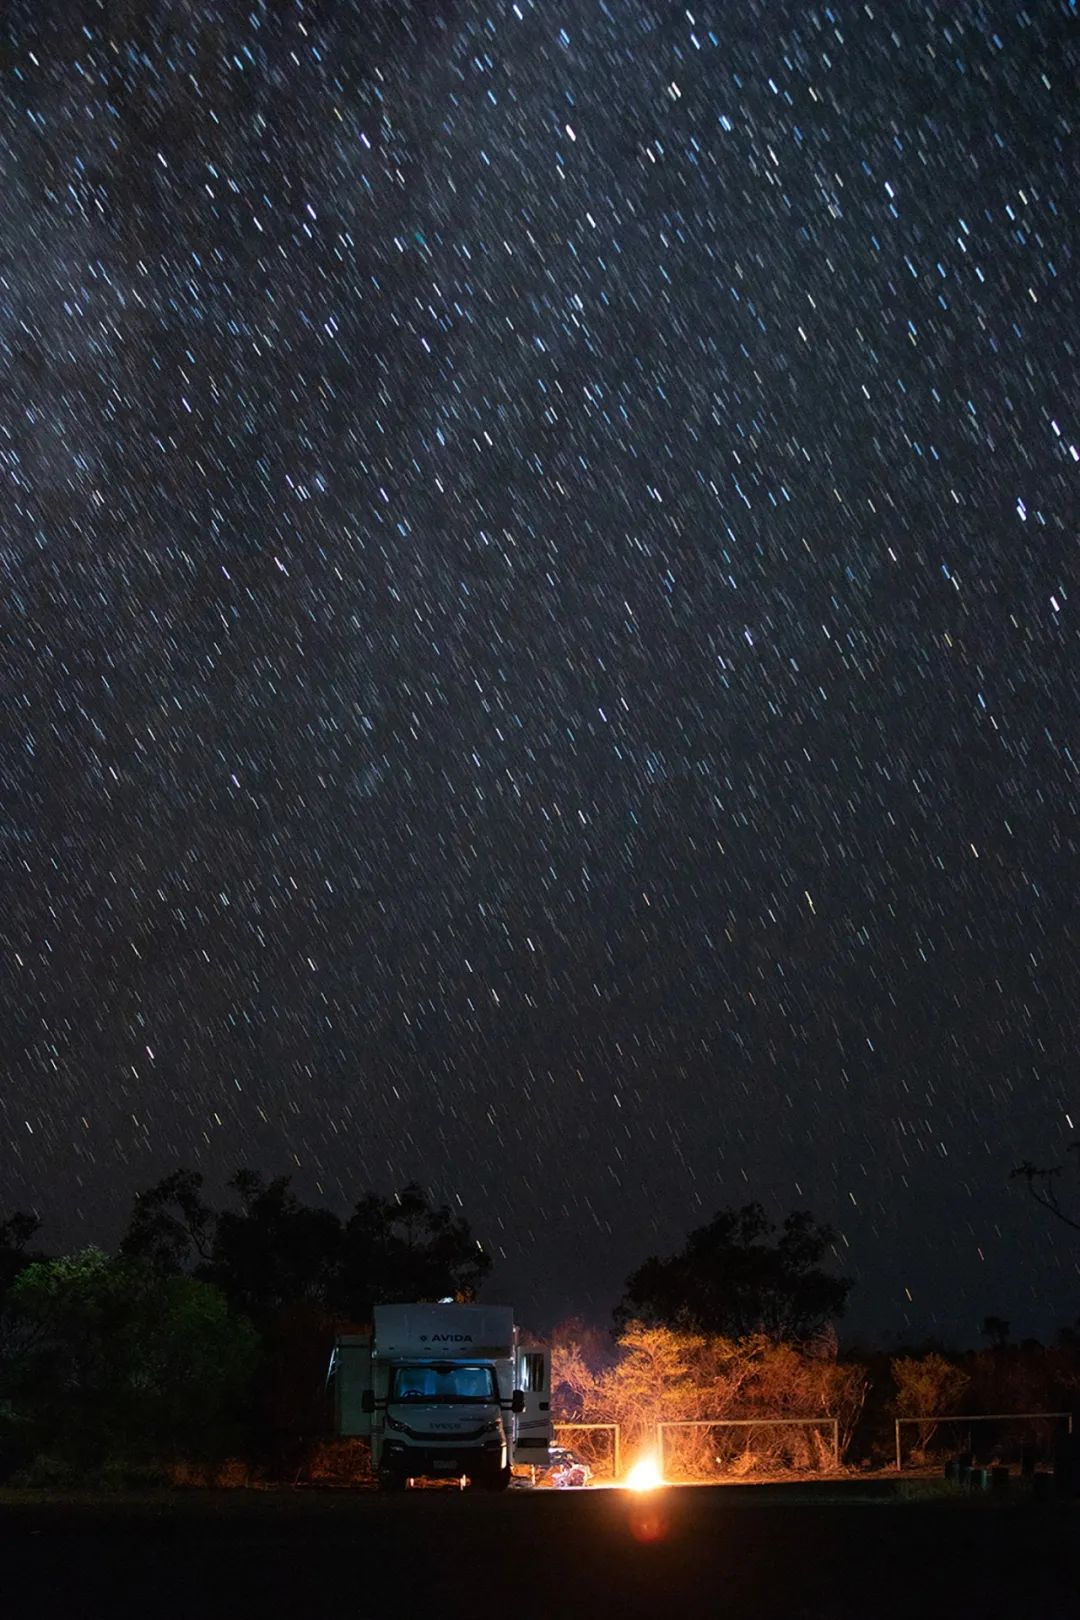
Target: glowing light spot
[645, 1475]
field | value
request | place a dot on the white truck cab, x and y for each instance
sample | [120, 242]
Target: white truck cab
[444, 1391]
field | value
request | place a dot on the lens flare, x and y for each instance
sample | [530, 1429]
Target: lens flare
[644, 1476]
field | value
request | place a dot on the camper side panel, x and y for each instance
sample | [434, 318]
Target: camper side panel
[352, 1376]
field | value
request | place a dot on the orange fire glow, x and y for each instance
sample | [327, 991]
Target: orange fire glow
[645, 1475]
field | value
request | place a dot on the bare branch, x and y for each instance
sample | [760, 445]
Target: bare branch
[1040, 1184]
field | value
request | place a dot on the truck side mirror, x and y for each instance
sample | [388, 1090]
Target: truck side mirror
[367, 1401]
[517, 1401]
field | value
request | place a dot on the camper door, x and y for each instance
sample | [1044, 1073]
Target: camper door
[351, 1373]
[533, 1433]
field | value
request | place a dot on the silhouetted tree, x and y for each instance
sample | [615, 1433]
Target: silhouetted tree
[405, 1248]
[170, 1225]
[15, 1233]
[273, 1258]
[1042, 1182]
[274, 1251]
[730, 1278]
[996, 1330]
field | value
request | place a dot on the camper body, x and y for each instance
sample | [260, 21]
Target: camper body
[444, 1392]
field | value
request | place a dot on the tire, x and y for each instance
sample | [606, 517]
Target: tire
[495, 1482]
[392, 1481]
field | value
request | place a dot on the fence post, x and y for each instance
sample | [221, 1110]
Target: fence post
[660, 1427]
[836, 1444]
[618, 1453]
[898, 1465]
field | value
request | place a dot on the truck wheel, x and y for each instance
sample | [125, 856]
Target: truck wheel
[392, 1481]
[498, 1481]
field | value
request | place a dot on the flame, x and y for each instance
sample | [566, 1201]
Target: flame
[645, 1475]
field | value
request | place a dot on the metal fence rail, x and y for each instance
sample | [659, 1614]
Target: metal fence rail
[978, 1417]
[615, 1430]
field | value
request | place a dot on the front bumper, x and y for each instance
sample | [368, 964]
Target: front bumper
[443, 1461]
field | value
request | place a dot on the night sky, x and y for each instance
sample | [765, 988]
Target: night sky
[539, 623]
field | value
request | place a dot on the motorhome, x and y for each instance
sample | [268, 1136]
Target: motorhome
[444, 1391]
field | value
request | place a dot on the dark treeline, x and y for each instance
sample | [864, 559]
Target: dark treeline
[734, 1276]
[270, 1251]
[206, 1337]
[740, 1324]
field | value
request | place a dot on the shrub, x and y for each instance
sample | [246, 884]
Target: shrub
[663, 1376]
[107, 1362]
[45, 1473]
[339, 1462]
[926, 1387]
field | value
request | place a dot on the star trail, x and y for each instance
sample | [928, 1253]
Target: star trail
[539, 616]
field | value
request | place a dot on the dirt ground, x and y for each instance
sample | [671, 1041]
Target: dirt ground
[770, 1553]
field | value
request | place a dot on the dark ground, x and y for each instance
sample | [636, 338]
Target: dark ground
[757, 1552]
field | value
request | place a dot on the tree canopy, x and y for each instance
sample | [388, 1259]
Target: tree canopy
[403, 1248]
[104, 1356]
[206, 1313]
[732, 1278]
[16, 1232]
[170, 1224]
[269, 1250]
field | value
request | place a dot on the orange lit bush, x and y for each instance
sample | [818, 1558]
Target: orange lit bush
[662, 1376]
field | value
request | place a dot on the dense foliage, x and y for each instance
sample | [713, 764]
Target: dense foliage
[208, 1335]
[732, 1279]
[16, 1233]
[105, 1359]
[201, 1348]
[658, 1375]
[272, 1251]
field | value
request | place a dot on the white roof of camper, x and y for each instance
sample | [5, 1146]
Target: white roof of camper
[444, 1330]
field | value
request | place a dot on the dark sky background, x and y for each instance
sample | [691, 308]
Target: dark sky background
[539, 617]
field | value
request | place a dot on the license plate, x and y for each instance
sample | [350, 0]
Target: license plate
[447, 1463]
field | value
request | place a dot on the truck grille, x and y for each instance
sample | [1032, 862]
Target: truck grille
[446, 1437]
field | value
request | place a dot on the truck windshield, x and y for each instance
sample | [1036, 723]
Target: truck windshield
[453, 1381]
